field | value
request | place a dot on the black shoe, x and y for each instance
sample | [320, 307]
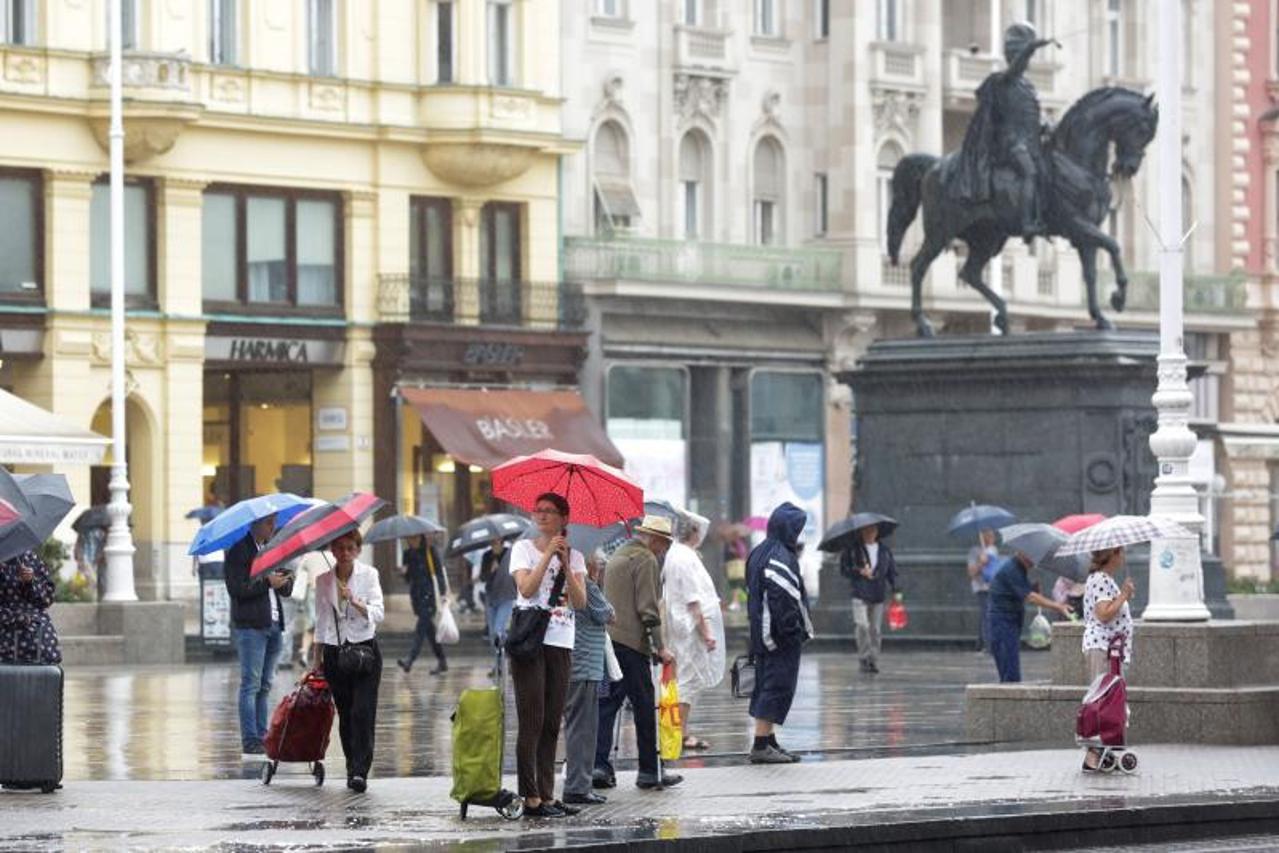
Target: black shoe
[590, 799]
[357, 784]
[440, 670]
[669, 780]
[255, 749]
[863, 665]
[873, 668]
[566, 810]
[543, 810]
[404, 665]
[600, 779]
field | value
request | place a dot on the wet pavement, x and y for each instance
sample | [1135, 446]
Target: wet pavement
[860, 798]
[180, 723]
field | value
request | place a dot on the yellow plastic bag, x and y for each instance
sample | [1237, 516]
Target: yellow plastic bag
[670, 725]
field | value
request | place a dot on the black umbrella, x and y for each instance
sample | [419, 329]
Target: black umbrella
[51, 500]
[477, 533]
[401, 527]
[843, 534]
[92, 518]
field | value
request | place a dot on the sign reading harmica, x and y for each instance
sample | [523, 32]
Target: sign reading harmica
[301, 352]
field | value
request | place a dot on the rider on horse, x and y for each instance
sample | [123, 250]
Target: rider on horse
[1002, 156]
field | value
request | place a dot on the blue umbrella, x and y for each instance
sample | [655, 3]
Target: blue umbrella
[233, 523]
[978, 517]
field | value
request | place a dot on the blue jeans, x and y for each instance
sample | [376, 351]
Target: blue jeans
[498, 618]
[259, 651]
[1004, 635]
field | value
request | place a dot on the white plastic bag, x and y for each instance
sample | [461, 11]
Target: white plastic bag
[446, 633]
[1040, 635]
[612, 669]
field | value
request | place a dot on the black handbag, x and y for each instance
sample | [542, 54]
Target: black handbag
[742, 676]
[527, 630]
[353, 658]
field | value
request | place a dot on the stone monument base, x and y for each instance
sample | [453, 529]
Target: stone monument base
[120, 632]
[1209, 682]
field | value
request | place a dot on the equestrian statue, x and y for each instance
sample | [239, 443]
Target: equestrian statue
[1014, 177]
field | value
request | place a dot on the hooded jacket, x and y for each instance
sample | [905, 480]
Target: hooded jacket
[872, 590]
[776, 602]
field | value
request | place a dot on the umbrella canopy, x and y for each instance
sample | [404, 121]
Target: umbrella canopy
[51, 500]
[92, 518]
[597, 494]
[973, 519]
[30, 435]
[477, 533]
[843, 534]
[588, 539]
[756, 522]
[204, 514]
[315, 528]
[1121, 530]
[12, 494]
[1076, 523]
[1040, 542]
[401, 527]
[233, 523]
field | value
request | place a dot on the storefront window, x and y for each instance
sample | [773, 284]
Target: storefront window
[647, 422]
[257, 433]
[786, 406]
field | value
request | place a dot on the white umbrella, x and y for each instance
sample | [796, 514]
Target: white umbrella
[1121, 530]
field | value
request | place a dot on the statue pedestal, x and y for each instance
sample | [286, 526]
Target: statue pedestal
[1045, 424]
[1205, 682]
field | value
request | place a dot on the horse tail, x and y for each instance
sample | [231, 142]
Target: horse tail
[908, 177]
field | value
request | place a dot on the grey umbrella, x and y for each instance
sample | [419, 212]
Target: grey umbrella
[50, 500]
[401, 527]
[12, 493]
[479, 532]
[1040, 542]
[842, 534]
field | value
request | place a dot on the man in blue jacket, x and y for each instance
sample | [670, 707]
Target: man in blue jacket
[778, 610]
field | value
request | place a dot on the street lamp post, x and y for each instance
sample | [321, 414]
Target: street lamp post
[119, 547]
[1176, 566]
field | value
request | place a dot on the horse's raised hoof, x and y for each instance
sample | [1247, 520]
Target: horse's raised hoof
[923, 328]
[1118, 299]
[1104, 325]
[1001, 323]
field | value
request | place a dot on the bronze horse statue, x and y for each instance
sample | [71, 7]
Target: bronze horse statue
[1075, 191]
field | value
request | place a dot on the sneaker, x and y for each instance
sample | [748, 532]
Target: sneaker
[543, 810]
[602, 779]
[565, 810]
[588, 799]
[793, 756]
[440, 670]
[257, 750]
[770, 755]
[404, 665]
[669, 780]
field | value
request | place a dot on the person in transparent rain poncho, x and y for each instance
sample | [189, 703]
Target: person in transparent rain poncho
[694, 624]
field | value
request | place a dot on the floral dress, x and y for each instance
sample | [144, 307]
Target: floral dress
[27, 634]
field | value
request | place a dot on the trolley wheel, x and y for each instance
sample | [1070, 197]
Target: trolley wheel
[317, 770]
[49, 787]
[1128, 762]
[268, 771]
[1108, 762]
[513, 808]
[462, 810]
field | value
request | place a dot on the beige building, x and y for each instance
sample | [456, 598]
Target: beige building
[304, 178]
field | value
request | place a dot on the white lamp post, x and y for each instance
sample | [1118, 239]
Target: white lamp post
[119, 548]
[1176, 567]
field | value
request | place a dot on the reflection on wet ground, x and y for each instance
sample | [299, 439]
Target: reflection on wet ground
[181, 722]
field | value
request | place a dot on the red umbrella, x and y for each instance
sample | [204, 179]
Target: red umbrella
[1075, 523]
[315, 528]
[597, 494]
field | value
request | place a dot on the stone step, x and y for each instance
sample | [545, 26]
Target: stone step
[92, 650]
[74, 619]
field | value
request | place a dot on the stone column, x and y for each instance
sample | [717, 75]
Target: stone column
[468, 266]
[345, 469]
[392, 255]
[360, 259]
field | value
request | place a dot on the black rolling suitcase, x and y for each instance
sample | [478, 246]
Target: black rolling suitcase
[31, 726]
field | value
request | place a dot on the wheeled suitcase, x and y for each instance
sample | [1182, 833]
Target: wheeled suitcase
[31, 726]
[479, 736]
[300, 728]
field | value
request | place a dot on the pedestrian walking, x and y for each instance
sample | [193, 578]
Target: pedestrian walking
[257, 622]
[869, 565]
[980, 556]
[736, 547]
[499, 589]
[547, 572]
[632, 584]
[1106, 616]
[348, 608]
[581, 710]
[778, 610]
[27, 634]
[428, 584]
[1010, 592]
[694, 625]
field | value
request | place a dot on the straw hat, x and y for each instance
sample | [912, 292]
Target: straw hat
[656, 525]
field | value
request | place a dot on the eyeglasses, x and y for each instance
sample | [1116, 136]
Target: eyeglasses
[546, 510]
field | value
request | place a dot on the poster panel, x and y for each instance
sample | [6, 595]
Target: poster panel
[792, 471]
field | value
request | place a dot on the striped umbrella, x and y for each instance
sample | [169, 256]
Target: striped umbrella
[1121, 530]
[315, 528]
[597, 494]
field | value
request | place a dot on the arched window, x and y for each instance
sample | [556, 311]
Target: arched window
[889, 154]
[769, 182]
[694, 185]
[615, 204]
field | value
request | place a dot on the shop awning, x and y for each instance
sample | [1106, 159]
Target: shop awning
[486, 428]
[31, 435]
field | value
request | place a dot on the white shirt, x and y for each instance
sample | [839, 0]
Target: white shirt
[524, 555]
[1097, 634]
[872, 554]
[366, 588]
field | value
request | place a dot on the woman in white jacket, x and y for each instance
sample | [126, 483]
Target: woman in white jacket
[694, 624]
[348, 608]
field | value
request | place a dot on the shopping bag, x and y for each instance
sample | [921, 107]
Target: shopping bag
[1040, 635]
[742, 676]
[612, 668]
[670, 726]
[897, 616]
[446, 633]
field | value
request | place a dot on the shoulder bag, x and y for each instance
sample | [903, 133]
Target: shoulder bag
[353, 658]
[742, 676]
[528, 624]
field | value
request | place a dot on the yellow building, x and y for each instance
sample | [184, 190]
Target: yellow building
[305, 178]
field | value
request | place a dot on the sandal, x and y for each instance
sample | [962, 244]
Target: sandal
[696, 744]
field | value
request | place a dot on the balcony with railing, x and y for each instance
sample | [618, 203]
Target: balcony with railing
[897, 65]
[704, 50]
[743, 268]
[963, 71]
[490, 302]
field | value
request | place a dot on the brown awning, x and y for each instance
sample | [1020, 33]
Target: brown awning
[486, 428]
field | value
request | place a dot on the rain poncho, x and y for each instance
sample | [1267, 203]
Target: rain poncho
[776, 601]
[685, 581]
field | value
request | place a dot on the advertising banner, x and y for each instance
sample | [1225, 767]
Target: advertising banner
[792, 471]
